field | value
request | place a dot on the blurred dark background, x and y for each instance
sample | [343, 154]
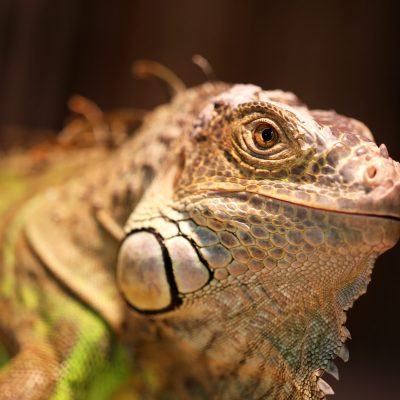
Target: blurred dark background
[342, 55]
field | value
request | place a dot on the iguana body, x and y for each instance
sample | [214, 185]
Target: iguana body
[221, 244]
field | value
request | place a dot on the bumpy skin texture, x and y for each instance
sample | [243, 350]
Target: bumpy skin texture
[251, 224]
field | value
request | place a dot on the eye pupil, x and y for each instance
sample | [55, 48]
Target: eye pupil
[267, 134]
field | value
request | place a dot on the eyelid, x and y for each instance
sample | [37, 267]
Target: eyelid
[284, 151]
[276, 148]
[252, 125]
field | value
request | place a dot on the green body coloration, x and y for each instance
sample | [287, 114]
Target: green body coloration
[211, 255]
[93, 366]
[3, 356]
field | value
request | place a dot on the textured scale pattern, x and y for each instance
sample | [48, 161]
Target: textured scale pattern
[222, 244]
[281, 234]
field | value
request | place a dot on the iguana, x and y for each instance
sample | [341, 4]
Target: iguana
[212, 255]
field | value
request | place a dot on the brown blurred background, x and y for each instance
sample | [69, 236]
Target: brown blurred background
[333, 54]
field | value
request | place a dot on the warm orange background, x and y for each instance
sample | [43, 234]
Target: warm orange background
[333, 54]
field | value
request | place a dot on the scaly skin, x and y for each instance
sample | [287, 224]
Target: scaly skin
[251, 224]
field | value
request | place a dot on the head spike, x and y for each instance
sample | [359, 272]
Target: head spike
[146, 69]
[205, 66]
[94, 116]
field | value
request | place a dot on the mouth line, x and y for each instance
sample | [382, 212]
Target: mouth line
[336, 211]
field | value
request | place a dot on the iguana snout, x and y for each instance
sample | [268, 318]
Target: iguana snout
[371, 179]
[382, 180]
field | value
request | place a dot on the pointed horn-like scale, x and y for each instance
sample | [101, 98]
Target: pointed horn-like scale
[324, 387]
[343, 353]
[345, 333]
[332, 370]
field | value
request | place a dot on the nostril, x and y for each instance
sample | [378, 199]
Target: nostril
[371, 176]
[371, 172]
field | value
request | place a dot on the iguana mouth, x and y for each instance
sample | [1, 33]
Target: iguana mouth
[221, 193]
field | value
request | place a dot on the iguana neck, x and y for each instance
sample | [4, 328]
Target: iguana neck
[283, 349]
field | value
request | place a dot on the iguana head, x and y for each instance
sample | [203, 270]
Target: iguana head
[248, 137]
[258, 233]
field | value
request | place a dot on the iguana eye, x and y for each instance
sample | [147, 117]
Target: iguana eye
[265, 136]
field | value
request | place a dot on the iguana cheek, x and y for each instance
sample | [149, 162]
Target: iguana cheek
[153, 273]
[141, 274]
[189, 272]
